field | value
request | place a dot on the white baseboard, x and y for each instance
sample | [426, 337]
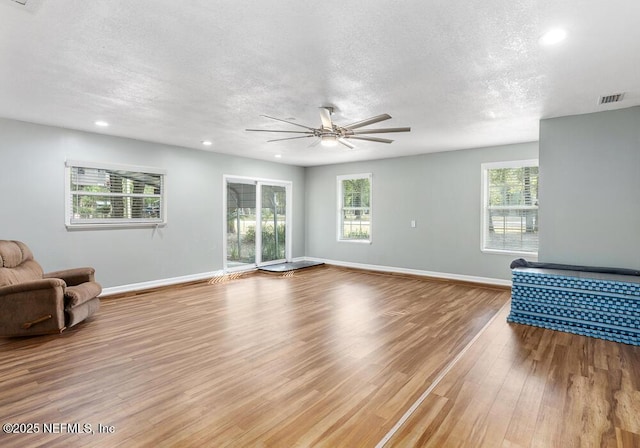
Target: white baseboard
[391, 269]
[372, 267]
[174, 280]
[159, 283]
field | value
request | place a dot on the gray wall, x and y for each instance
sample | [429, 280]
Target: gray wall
[590, 189]
[32, 180]
[589, 207]
[441, 191]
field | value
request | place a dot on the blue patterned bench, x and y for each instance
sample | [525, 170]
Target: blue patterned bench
[605, 306]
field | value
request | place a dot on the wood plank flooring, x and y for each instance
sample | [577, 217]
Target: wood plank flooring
[324, 357]
[522, 386]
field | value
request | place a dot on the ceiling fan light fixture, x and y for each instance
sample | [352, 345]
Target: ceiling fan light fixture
[553, 37]
[328, 140]
[330, 134]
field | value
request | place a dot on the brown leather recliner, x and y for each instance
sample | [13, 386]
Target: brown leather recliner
[32, 302]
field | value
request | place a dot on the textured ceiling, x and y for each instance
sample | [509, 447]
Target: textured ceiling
[461, 73]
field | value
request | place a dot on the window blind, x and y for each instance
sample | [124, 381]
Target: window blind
[510, 222]
[107, 194]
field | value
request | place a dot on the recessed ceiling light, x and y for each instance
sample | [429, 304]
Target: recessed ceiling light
[101, 123]
[278, 156]
[553, 36]
[207, 142]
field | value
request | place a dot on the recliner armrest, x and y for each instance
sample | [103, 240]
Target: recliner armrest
[34, 307]
[75, 276]
[80, 294]
[34, 285]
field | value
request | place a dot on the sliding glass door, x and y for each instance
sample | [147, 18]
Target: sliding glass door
[257, 222]
[241, 224]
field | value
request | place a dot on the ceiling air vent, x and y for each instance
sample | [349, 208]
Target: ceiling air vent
[616, 97]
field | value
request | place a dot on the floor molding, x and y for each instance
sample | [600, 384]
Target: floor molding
[173, 281]
[167, 282]
[436, 381]
[417, 272]
[155, 284]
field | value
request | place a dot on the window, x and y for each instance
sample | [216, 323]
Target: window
[510, 207]
[107, 195]
[354, 207]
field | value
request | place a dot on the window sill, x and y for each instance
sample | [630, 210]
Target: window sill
[127, 225]
[531, 255]
[355, 241]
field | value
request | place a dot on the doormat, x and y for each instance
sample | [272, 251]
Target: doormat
[286, 267]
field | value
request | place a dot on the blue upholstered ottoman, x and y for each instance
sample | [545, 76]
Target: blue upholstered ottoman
[601, 305]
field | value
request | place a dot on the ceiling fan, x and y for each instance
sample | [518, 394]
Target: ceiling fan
[330, 134]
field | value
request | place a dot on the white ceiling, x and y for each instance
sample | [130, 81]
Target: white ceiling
[461, 73]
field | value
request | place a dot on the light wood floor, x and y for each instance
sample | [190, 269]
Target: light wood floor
[522, 386]
[326, 357]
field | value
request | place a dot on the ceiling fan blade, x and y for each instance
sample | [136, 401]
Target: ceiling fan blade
[372, 139]
[285, 121]
[325, 116]
[316, 143]
[278, 130]
[346, 143]
[372, 120]
[289, 138]
[381, 131]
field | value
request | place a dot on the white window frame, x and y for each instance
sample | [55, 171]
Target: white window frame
[75, 223]
[485, 210]
[340, 207]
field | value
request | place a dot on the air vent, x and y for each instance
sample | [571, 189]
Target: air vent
[616, 97]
